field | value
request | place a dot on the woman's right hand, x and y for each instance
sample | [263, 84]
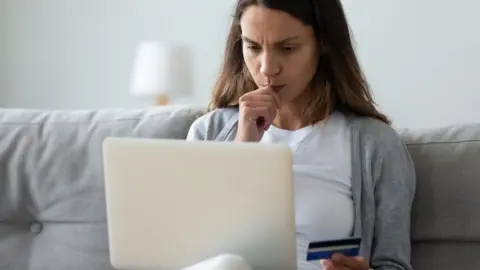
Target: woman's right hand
[258, 109]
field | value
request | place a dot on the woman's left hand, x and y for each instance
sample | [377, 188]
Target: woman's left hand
[342, 262]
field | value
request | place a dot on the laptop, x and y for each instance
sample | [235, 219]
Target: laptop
[175, 203]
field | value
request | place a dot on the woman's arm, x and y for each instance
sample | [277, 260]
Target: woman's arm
[198, 129]
[394, 191]
[214, 125]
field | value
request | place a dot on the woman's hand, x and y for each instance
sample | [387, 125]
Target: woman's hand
[342, 262]
[258, 109]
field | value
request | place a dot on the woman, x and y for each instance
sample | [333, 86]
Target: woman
[290, 75]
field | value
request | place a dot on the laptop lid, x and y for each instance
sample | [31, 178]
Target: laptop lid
[174, 203]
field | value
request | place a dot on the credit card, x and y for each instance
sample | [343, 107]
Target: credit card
[349, 247]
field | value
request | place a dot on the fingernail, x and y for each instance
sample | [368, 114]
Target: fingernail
[322, 262]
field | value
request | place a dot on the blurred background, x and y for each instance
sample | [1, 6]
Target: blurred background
[422, 58]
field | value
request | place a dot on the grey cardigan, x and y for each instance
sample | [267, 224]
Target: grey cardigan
[383, 184]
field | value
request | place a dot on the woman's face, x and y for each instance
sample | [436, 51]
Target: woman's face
[279, 50]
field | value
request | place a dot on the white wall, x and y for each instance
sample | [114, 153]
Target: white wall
[422, 57]
[78, 54]
[3, 51]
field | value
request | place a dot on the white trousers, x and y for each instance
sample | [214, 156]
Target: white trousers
[221, 262]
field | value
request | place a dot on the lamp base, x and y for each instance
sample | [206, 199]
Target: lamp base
[162, 100]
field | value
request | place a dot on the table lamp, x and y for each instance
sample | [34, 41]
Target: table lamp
[151, 74]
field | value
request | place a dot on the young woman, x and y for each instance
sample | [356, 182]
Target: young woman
[291, 76]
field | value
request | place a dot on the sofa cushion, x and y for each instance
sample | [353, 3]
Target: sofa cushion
[52, 201]
[447, 163]
[446, 256]
[445, 216]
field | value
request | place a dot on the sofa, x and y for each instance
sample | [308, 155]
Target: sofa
[52, 203]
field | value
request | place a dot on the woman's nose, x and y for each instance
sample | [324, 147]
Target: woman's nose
[269, 65]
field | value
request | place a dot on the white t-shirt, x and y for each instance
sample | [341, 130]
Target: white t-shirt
[322, 180]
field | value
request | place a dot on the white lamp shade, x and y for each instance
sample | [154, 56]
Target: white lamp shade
[151, 70]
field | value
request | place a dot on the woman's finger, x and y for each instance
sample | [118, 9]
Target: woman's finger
[264, 94]
[254, 114]
[272, 112]
[327, 265]
[261, 97]
[353, 263]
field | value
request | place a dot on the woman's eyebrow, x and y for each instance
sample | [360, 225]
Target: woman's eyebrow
[248, 40]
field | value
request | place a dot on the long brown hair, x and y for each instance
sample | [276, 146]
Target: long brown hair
[339, 82]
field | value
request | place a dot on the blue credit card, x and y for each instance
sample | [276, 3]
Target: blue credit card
[325, 249]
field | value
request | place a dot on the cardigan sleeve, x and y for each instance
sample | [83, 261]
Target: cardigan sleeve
[394, 191]
[214, 125]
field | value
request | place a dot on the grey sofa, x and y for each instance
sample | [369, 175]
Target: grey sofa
[52, 205]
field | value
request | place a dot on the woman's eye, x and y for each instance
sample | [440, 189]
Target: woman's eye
[254, 48]
[289, 49]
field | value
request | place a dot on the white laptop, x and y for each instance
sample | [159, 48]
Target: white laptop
[174, 203]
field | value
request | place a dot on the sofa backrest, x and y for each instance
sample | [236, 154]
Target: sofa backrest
[52, 203]
[446, 211]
